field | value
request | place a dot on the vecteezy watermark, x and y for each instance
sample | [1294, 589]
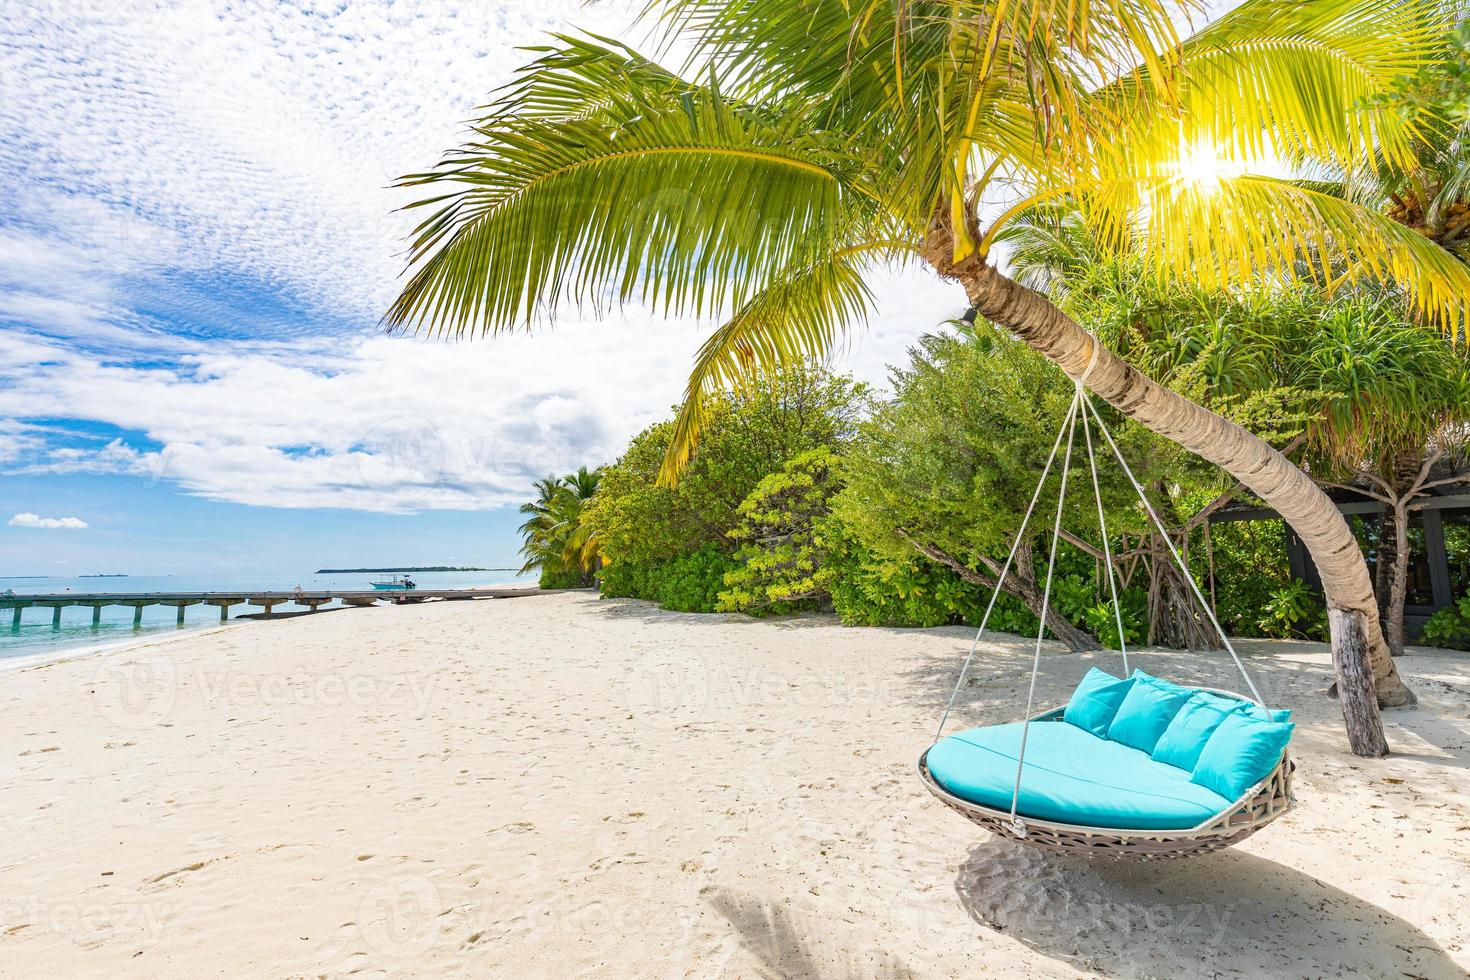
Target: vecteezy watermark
[666, 689]
[398, 451]
[137, 693]
[401, 916]
[410, 691]
[671, 687]
[1444, 913]
[133, 921]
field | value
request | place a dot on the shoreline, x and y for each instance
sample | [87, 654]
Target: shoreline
[162, 635]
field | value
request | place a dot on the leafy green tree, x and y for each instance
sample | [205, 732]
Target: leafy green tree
[782, 555]
[945, 471]
[639, 521]
[1430, 192]
[1389, 402]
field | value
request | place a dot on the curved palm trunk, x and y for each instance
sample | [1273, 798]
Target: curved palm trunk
[1353, 610]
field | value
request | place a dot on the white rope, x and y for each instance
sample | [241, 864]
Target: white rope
[1070, 424]
[1102, 524]
[1005, 569]
[1180, 561]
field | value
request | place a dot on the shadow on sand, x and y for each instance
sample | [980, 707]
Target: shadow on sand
[1224, 914]
[788, 946]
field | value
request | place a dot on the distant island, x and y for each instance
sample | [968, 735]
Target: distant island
[410, 568]
[106, 575]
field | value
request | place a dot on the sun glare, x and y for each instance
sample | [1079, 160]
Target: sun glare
[1202, 167]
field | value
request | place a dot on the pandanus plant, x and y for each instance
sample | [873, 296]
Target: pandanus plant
[804, 145]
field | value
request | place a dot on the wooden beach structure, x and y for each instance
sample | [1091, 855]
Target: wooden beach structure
[313, 600]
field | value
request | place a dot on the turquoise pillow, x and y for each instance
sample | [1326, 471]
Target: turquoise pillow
[1242, 752]
[1095, 702]
[1265, 714]
[1143, 675]
[1185, 738]
[1147, 710]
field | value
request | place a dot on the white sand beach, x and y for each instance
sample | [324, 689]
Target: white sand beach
[562, 786]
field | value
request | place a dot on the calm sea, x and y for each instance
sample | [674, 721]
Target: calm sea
[37, 639]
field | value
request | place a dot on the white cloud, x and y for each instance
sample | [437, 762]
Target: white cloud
[28, 519]
[217, 138]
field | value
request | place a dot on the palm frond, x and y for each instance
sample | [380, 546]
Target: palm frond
[599, 178]
[1299, 80]
[798, 317]
[1237, 230]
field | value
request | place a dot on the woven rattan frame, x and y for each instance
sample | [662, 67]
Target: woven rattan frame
[1261, 804]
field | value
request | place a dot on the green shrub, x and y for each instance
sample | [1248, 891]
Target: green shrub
[1292, 610]
[690, 582]
[780, 563]
[563, 578]
[1450, 627]
[744, 438]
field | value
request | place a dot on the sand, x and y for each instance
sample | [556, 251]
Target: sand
[560, 786]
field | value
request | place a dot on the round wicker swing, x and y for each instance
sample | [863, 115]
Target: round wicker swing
[1254, 809]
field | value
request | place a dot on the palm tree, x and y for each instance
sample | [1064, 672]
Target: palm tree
[556, 540]
[1392, 403]
[1432, 193]
[815, 141]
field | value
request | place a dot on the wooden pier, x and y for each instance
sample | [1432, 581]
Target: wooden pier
[267, 601]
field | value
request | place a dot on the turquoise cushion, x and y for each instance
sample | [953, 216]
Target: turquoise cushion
[1266, 714]
[1242, 751]
[1147, 710]
[1071, 776]
[1095, 701]
[1185, 738]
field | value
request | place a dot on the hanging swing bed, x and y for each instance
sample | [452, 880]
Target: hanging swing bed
[1133, 766]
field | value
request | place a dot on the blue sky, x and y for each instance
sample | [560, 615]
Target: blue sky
[197, 238]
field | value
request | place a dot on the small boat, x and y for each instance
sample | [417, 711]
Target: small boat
[395, 583]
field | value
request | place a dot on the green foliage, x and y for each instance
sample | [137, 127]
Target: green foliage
[690, 582]
[834, 135]
[557, 539]
[647, 530]
[868, 590]
[1450, 627]
[1102, 622]
[1292, 610]
[781, 554]
[954, 458]
[562, 579]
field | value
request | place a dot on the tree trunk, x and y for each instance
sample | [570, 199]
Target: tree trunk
[1267, 473]
[1020, 582]
[1398, 580]
[1383, 569]
[1355, 683]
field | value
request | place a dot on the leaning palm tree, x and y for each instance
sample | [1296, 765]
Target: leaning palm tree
[805, 144]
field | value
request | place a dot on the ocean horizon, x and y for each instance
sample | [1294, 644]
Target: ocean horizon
[37, 640]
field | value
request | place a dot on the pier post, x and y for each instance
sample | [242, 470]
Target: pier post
[180, 620]
[96, 615]
[56, 617]
[224, 605]
[138, 616]
[15, 620]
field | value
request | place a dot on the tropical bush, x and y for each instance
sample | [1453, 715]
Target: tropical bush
[1450, 627]
[688, 582]
[782, 555]
[659, 540]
